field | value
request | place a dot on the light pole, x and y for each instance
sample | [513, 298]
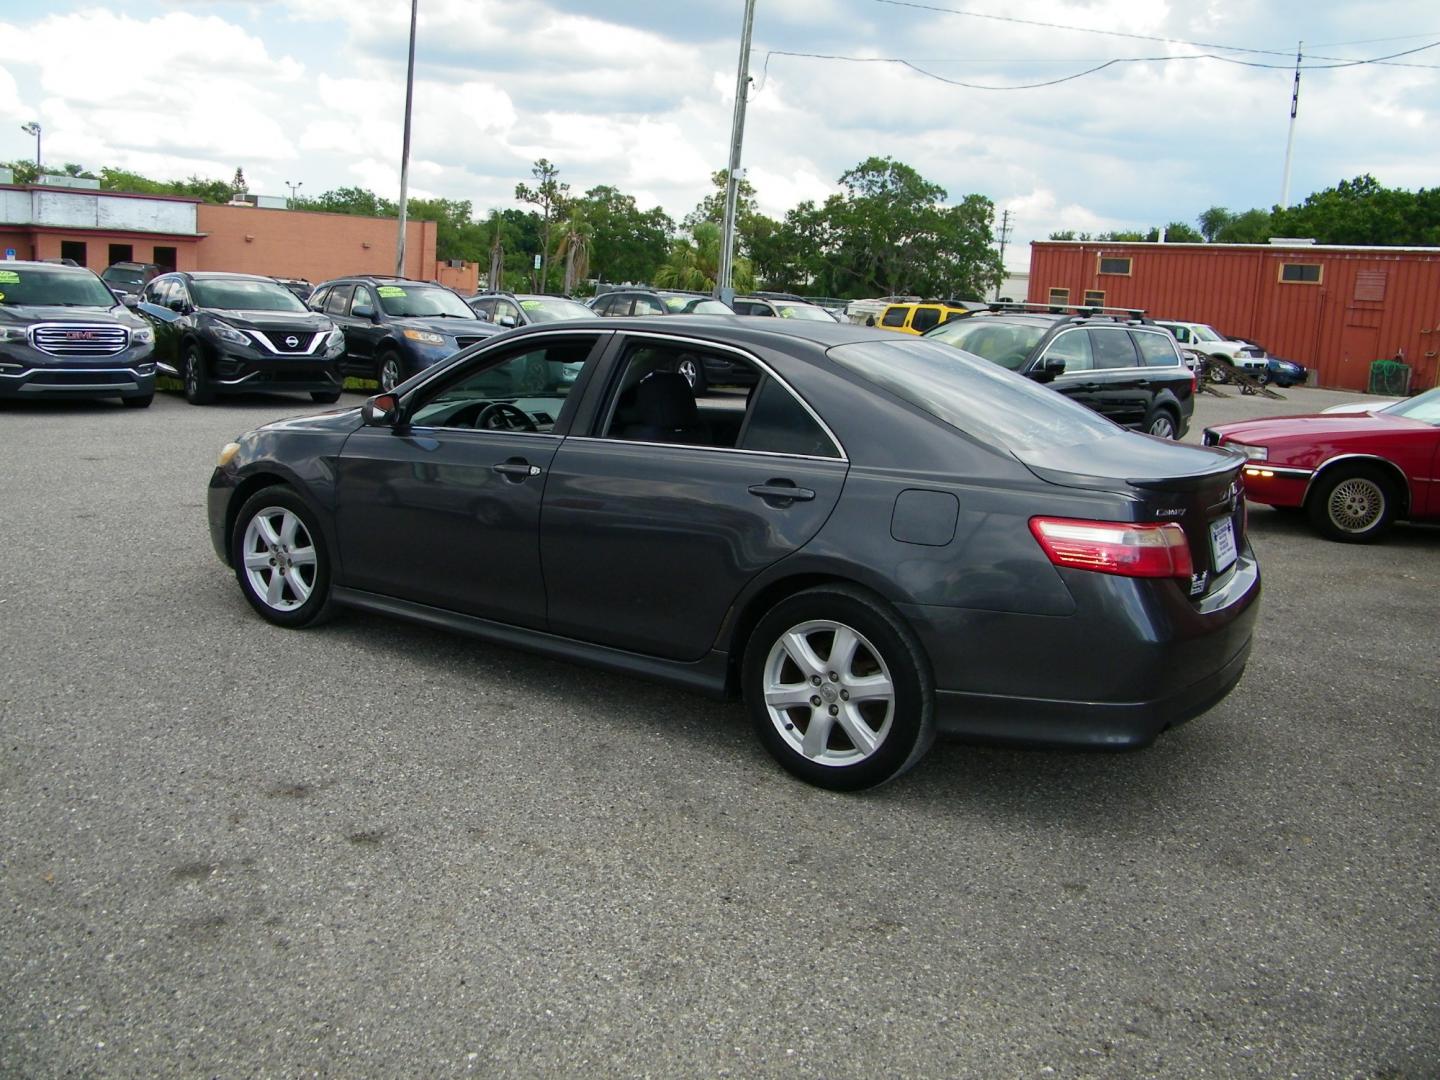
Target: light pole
[405, 148]
[293, 189]
[33, 128]
[724, 286]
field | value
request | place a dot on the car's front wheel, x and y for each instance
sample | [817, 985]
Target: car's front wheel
[198, 389]
[389, 373]
[1354, 504]
[838, 689]
[280, 558]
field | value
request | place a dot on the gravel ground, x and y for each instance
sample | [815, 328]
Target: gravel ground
[376, 850]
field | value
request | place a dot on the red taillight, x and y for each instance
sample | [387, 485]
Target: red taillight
[1116, 547]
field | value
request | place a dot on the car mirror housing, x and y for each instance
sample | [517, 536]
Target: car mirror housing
[363, 311]
[382, 410]
[1047, 369]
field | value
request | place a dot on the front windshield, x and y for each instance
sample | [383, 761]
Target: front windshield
[978, 398]
[553, 308]
[430, 301]
[1204, 333]
[1423, 407]
[1004, 343]
[243, 294]
[808, 312]
[57, 288]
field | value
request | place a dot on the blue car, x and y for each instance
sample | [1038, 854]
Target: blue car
[1284, 372]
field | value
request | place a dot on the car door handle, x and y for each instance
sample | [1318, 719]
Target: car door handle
[781, 491]
[520, 470]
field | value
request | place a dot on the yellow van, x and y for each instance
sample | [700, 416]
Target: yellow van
[918, 316]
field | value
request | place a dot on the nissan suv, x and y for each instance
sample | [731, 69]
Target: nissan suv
[233, 333]
[395, 326]
[63, 334]
[1126, 368]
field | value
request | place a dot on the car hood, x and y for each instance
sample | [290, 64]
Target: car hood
[1316, 427]
[452, 327]
[305, 321]
[28, 315]
[1133, 459]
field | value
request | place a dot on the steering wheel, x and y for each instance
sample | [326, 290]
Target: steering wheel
[503, 416]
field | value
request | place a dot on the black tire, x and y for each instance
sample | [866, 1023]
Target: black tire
[1354, 504]
[287, 605]
[389, 367]
[138, 401]
[694, 371]
[1163, 423]
[903, 724]
[325, 397]
[195, 376]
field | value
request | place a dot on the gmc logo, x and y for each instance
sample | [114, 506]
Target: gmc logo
[80, 335]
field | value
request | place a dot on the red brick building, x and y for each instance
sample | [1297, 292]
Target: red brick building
[1333, 309]
[97, 228]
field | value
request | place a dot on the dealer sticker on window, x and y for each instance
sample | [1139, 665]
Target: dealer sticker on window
[1222, 542]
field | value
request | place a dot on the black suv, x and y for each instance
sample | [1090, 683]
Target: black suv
[522, 309]
[62, 333]
[130, 277]
[395, 327]
[234, 333]
[1120, 363]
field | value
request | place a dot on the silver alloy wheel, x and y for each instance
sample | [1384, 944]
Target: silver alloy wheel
[829, 693]
[389, 374]
[1162, 426]
[192, 373]
[690, 370]
[280, 559]
[1356, 504]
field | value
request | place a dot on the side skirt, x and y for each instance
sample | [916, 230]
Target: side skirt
[706, 675]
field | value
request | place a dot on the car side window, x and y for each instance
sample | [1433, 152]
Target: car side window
[484, 308]
[1181, 333]
[648, 305]
[653, 400]
[778, 424]
[318, 298]
[1112, 348]
[1072, 346]
[504, 309]
[894, 316]
[338, 302]
[518, 390]
[925, 318]
[614, 304]
[1156, 349]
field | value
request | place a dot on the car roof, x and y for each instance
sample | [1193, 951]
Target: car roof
[731, 329]
[39, 264]
[224, 275]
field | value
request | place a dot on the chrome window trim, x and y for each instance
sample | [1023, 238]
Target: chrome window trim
[768, 370]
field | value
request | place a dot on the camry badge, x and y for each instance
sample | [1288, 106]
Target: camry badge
[292, 341]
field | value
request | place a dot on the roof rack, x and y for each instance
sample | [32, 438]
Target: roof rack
[1080, 311]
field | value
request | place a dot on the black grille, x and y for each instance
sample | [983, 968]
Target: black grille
[280, 341]
[82, 378]
[466, 342]
[76, 340]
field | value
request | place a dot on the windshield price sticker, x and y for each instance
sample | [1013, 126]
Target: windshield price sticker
[530, 305]
[9, 277]
[390, 290]
[1222, 542]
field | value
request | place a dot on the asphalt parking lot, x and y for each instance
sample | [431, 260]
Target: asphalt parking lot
[372, 849]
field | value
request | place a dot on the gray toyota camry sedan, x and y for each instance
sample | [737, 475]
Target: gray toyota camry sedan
[868, 538]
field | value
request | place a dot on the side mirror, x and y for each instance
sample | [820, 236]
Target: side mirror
[363, 311]
[1047, 369]
[177, 305]
[507, 320]
[382, 410]
[483, 316]
[130, 300]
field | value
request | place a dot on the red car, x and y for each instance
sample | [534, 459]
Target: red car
[1352, 473]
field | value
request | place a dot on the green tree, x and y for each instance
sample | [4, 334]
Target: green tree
[694, 262]
[1177, 232]
[1364, 211]
[626, 243]
[550, 195]
[237, 184]
[712, 207]
[1212, 221]
[574, 246]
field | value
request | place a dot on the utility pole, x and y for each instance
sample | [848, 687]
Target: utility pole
[724, 284]
[1004, 238]
[1290, 141]
[293, 189]
[33, 128]
[405, 148]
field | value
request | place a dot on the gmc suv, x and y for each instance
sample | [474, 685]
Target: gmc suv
[63, 334]
[1121, 365]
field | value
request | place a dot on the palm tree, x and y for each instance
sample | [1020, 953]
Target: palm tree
[574, 247]
[695, 263]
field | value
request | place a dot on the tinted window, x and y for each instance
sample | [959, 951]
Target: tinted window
[1309, 272]
[645, 305]
[1111, 348]
[976, 397]
[1073, 346]
[242, 294]
[654, 402]
[895, 316]
[534, 382]
[485, 307]
[613, 304]
[779, 424]
[338, 302]
[925, 318]
[1004, 343]
[1156, 350]
[316, 300]
[29, 285]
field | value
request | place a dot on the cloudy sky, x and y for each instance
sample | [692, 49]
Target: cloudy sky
[639, 95]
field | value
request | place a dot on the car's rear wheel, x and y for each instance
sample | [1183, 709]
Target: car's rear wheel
[280, 558]
[1162, 424]
[838, 689]
[1354, 504]
[389, 373]
[198, 390]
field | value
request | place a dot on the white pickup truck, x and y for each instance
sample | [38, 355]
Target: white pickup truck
[1205, 339]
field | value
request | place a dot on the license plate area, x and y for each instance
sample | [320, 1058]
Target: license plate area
[1222, 543]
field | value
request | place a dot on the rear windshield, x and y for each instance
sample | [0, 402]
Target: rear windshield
[973, 395]
[239, 294]
[58, 288]
[1004, 343]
